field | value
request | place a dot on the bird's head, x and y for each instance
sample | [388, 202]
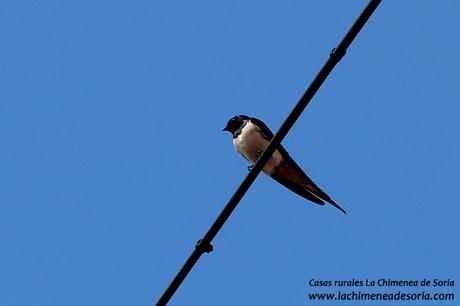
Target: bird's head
[235, 123]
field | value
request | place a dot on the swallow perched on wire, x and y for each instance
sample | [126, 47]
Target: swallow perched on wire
[251, 136]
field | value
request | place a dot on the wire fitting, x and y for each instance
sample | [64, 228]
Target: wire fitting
[337, 55]
[203, 248]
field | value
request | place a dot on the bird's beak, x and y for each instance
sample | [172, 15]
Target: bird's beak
[225, 129]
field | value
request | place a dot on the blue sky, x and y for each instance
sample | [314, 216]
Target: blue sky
[113, 164]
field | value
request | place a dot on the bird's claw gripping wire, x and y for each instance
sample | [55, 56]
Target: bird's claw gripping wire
[258, 155]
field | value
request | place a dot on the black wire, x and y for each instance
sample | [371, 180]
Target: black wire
[204, 244]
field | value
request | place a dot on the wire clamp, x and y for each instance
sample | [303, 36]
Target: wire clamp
[203, 248]
[336, 55]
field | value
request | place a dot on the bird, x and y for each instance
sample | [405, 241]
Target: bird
[250, 138]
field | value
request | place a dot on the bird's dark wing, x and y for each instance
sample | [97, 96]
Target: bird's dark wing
[336, 206]
[304, 187]
[313, 188]
[265, 130]
[290, 171]
[268, 134]
[297, 188]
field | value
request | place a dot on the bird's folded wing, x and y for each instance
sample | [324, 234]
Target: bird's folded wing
[297, 188]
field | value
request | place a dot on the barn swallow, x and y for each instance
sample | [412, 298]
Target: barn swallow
[251, 136]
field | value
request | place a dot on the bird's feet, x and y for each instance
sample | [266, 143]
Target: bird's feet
[260, 153]
[250, 168]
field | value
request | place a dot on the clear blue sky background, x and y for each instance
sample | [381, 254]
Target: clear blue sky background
[112, 162]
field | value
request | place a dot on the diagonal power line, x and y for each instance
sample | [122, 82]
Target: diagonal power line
[204, 245]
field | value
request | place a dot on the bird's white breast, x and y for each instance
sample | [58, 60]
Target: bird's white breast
[250, 143]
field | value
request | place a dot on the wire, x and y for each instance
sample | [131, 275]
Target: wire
[204, 245]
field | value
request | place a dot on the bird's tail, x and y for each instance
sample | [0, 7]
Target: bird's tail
[336, 206]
